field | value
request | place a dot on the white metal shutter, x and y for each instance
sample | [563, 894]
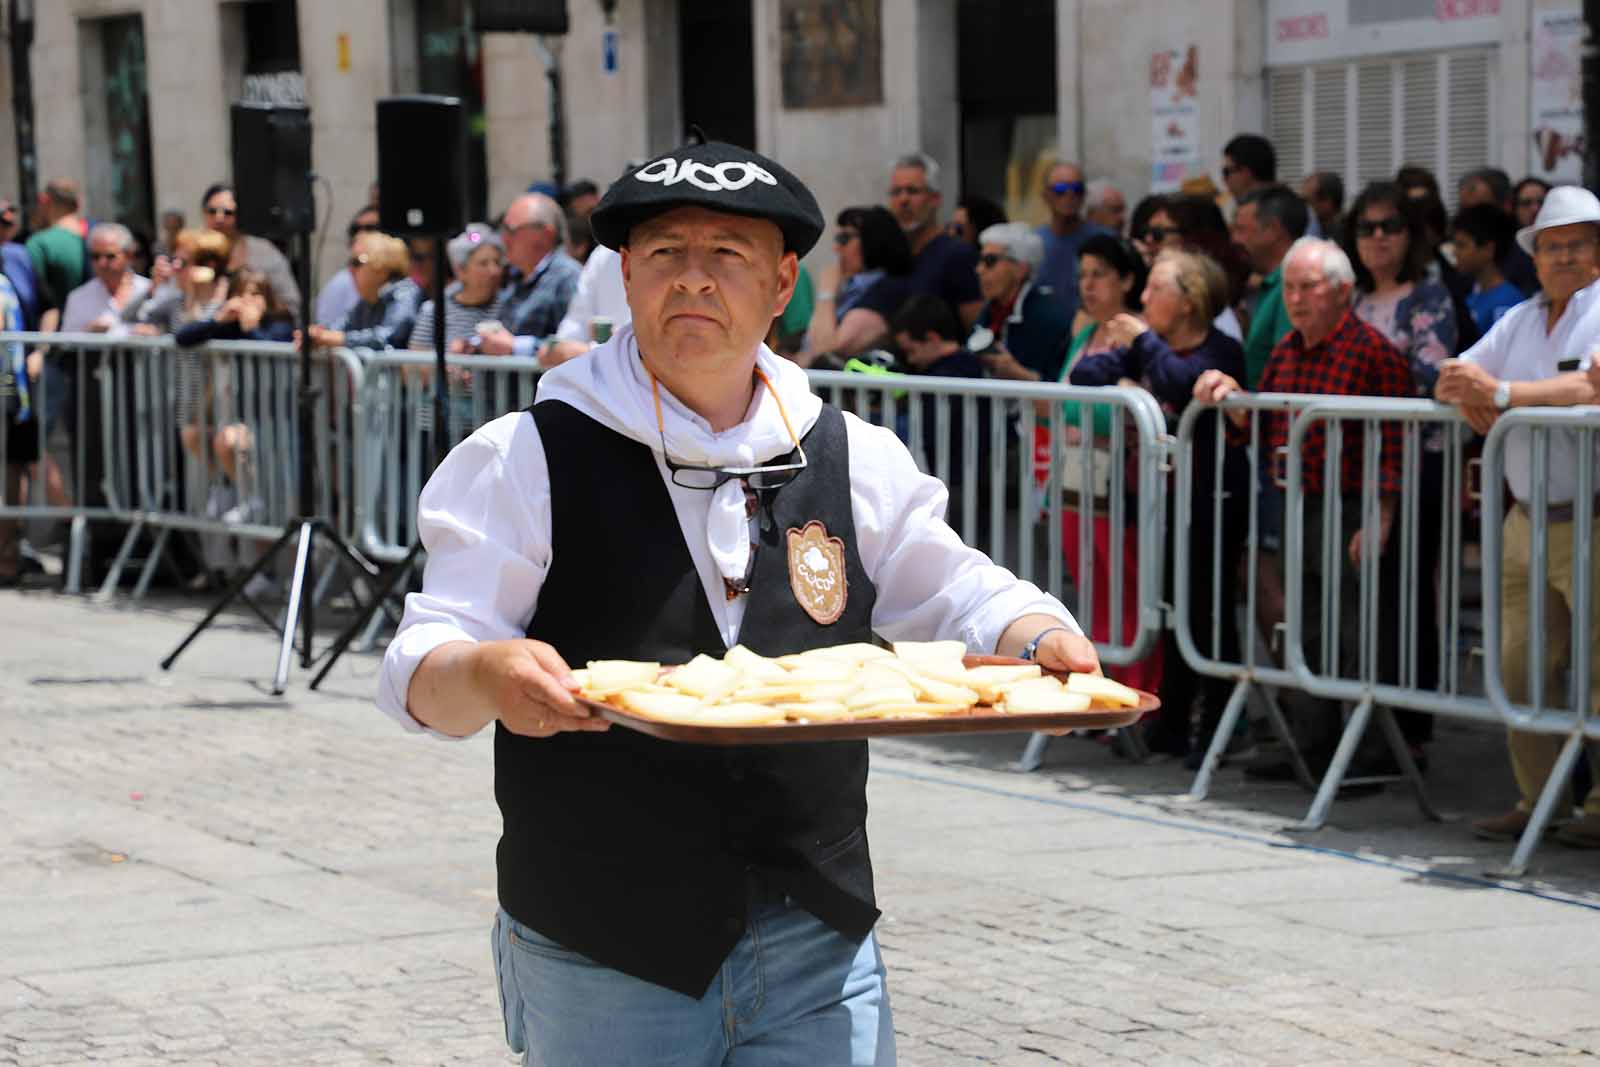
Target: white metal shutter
[1364, 119]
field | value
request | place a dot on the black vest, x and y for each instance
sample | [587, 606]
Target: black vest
[636, 852]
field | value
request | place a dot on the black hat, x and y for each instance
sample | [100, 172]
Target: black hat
[716, 176]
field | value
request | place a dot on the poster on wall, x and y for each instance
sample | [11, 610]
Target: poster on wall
[1174, 118]
[832, 53]
[1556, 95]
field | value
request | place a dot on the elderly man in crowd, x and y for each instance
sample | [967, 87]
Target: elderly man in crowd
[1329, 350]
[1063, 235]
[107, 302]
[540, 279]
[1541, 353]
[942, 265]
[1106, 207]
[1022, 333]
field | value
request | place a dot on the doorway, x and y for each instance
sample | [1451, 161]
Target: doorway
[1006, 71]
[716, 69]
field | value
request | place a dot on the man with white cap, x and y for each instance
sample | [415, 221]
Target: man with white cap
[1539, 354]
[665, 901]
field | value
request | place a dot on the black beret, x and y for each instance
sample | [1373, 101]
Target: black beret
[716, 176]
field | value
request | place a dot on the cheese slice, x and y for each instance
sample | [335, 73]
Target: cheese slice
[1024, 701]
[929, 688]
[704, 677]
[613, 675]
[990, 681]
[865, 698]
[815, 711]
[752, 667]
[1103, 690]
[938, 650]
[671, 707]
[854, 654]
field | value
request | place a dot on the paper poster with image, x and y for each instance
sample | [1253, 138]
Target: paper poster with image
[1556, 94]
[1174, 117]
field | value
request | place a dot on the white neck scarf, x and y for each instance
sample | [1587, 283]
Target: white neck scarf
[611, 386]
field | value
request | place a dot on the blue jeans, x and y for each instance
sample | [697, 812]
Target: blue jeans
[792, 993]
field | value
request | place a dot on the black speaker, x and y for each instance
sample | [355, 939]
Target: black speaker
[422, 165]
[519, 16]
[272, 169]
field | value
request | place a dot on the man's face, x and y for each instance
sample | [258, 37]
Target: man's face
[1238, 180]
[704, 287]
[912, 203]
[581, 206]
[1565, 258]
[1258, 237]
[1063, 191]
[998, 276]
[109, 260]
[8, 220]
[1314, 304]
[1473, 192]
[222, 213]
[527, 240]
[918, 353]
[1112, 212]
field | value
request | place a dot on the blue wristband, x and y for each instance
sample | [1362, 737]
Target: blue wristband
[1031, 649]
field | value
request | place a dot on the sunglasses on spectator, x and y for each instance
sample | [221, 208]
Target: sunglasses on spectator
[989, 260]
[363, 227]
[1159, 234]
[225, 212]
[844, 237]
[359, 261]
[1393, 226]
[1060, 188]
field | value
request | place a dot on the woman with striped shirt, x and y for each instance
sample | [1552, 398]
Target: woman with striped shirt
[478, 259]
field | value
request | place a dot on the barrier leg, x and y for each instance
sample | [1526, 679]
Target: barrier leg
[302, 558]
[1554, 786]
[114, 575]
[153, 564]
[1280, 726]
[76, 543]
[1219, 740]
[1033, 754]
[1408, 766]
[1317, 817]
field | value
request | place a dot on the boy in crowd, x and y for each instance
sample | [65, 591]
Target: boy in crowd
[1482, 236]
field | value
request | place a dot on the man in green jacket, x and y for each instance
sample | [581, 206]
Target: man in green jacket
[1268, 221]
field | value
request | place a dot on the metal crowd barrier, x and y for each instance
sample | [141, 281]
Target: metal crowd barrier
[1574, 433]
[202, 440]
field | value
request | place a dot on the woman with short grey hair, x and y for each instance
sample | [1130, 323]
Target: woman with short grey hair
[1022, 333]
[477, 258]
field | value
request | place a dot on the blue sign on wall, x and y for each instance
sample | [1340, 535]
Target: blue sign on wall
[608, 51]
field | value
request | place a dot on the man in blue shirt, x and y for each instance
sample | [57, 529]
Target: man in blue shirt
[1063, 235]
[17, 266]
[942, 266]
[540, 280]
[1482, 235]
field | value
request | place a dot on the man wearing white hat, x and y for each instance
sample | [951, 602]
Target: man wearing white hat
[1540, 353]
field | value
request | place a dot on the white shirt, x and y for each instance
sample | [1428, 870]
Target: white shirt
[1518, 349]
[92, 299]
[599, 292]
[1227, 323]
[485, 519]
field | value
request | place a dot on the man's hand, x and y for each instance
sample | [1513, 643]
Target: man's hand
[1464, 383]
[160, 271]
[35, 363]
[1002, 364]
[1063, 651]
[1358, 543]
[1480, 416]
[530, 688]
[495, 341]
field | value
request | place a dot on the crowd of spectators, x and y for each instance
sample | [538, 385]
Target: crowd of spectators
[1190, 295]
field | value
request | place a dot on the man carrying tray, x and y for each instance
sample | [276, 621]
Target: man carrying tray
[674, 492]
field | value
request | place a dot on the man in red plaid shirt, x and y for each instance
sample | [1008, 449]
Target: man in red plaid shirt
[1329, 352]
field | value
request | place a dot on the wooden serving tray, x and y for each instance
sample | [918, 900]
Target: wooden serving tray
[980, 719]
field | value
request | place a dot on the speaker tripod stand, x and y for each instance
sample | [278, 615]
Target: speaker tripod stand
[304, 530]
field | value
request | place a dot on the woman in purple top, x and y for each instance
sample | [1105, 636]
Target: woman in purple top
[1165, 354]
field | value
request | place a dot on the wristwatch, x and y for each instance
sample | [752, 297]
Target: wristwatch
[1502, 396]
[1031, 649]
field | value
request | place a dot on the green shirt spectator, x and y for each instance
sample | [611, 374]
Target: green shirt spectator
[1269, 322]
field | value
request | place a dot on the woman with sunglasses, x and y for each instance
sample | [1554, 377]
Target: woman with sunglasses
[1398, 296]
[1195, 224]
[249, 252]
[858, 294]
[387, 300]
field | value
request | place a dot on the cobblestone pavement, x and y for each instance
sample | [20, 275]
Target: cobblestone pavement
[195, 872]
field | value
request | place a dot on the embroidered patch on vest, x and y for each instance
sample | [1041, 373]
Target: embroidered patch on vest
[816, 572]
